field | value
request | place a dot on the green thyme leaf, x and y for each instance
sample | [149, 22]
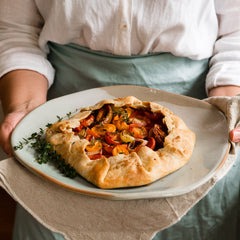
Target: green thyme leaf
[69, 114]
[59, 119]
[48, 125]
[45, 153]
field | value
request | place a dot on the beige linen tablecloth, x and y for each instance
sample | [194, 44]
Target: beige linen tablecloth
[81, 217]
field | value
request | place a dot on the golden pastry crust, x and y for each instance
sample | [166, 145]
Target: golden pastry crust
[135, 169]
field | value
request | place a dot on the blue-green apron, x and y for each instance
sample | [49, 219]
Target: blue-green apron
[78, 68]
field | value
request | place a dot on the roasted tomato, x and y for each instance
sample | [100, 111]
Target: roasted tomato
[158, 134]
[101, 129]
[138, 121]
[84, 123]
[91, 135]
[108, 148]
[126, 137]
[94, 146]
[151, 143]
[87, 121]
[136, 145]
[105, 114]
[153, 115]
[121, 118]
[139, 118]
[124, 113]
[120, 123]
[95, 156]
[138, 131]
[120, 149]
[112, 138]
[77, 129]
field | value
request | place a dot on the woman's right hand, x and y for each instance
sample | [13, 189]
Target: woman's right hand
[20, 91]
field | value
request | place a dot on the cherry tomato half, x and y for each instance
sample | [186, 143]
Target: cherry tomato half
[138, 131]
[87, 121]
[112, 138]
[77, 129]
[108, 148]
[120, 149]
[151, 143]
[94, 146]
[95, 156]
[101, 129]
[91, 135]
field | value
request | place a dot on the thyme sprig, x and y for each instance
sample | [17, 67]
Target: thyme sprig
[44, 151]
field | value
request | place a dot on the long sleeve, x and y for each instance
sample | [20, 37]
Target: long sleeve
[225, 63]
[27, 25]
[20, 26]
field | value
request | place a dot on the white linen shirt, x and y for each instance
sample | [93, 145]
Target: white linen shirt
[196, 29]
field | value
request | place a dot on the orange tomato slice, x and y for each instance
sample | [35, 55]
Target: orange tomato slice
[138, 131]
[91, 135]
[94, 146]
[120, 123]
[101, 129]
[121, 119]
[120, 149]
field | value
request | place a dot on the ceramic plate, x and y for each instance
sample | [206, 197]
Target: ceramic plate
[208, 123]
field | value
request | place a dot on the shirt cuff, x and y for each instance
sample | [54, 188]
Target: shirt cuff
[223, 74]
[27, 61]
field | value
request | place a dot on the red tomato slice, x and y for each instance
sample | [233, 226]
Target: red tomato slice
[139, 118]
[77, 129]
[136, 113]
[151, 143]
[108, 148]
[84, 123]
[112, 138]
[96, 156]
[153, 115]
[88, 121]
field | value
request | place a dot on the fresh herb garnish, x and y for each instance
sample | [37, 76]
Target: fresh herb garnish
[59, 119]
[122, 113]
[49, 125]
[69, 115]
[44, 152]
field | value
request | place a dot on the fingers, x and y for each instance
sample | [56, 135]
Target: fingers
[235, 135]
[6, 128]
[5, 132]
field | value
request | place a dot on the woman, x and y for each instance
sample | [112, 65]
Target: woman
[67, 46]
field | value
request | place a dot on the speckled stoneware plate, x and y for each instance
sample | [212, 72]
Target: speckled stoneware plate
[208, 123]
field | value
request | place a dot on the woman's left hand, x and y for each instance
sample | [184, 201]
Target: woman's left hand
[229, 91]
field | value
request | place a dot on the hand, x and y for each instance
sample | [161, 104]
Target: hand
[6, 128]
[228, 91]
[20, 92]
